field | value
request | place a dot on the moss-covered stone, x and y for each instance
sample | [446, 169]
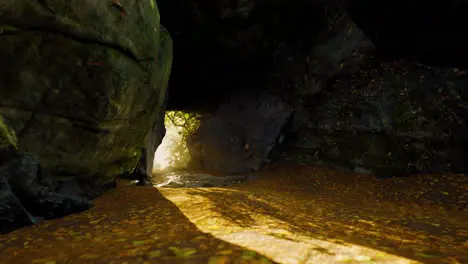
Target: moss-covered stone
[82, 84]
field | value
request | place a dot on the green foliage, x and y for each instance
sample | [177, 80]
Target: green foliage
[189, 122]
[183, 252]
[7, 135]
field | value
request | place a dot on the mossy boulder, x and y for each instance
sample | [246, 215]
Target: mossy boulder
[82, 83]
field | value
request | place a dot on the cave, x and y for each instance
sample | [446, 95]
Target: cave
[233, 131]
[378, 49]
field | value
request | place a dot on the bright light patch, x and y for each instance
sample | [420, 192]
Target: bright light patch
[173, 152]
[164, 154]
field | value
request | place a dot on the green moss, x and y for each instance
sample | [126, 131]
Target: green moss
[7, 135]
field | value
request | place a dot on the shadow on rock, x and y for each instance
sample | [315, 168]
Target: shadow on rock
[28, 193]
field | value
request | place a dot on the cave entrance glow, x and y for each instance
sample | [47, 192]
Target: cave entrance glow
[173, 153]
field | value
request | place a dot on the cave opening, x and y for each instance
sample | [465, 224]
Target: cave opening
[173, 154]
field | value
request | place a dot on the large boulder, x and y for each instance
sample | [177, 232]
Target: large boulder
[240, 136]
[390, 119]
[82, 83]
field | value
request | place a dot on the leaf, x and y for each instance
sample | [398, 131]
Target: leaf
[197, 238]
[137, 243]
[424, 255]
[182, 252]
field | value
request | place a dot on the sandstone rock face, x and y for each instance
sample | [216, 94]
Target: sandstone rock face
[83, 82]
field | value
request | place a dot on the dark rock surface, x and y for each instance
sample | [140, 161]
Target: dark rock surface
[83, 84]
[37, 194]
[390, 119]
[241, 134]
[12, 213]
[29, 193]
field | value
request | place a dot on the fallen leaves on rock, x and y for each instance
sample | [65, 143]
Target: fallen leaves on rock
[127, 225]
[296, 214]
[383, 219]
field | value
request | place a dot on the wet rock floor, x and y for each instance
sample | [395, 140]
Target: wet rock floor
[290, 214]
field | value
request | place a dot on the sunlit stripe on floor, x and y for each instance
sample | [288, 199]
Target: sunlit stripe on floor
[283, 246]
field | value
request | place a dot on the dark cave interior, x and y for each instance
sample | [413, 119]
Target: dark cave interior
[205, 67]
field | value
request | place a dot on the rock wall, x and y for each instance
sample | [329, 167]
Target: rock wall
[389, 119]
[82, 84]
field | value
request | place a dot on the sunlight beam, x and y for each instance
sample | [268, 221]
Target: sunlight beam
[271, 236]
